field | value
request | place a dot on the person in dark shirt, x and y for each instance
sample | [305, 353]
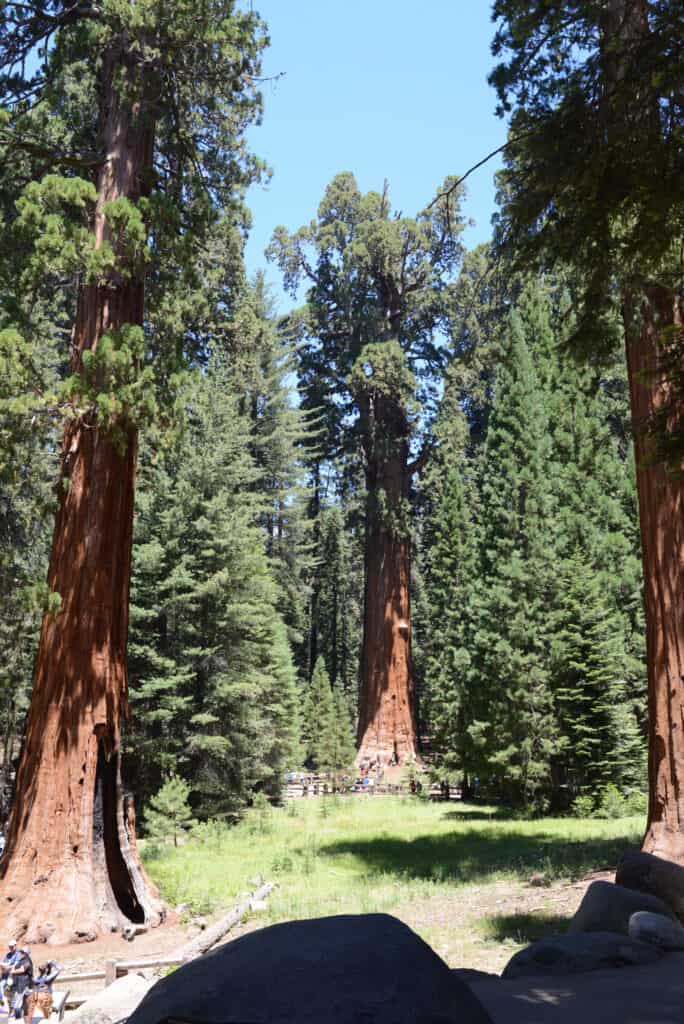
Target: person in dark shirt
[22, 976]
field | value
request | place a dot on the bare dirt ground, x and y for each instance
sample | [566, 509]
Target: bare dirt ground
[479, 926]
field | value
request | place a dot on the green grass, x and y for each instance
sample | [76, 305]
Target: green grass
[353, 855]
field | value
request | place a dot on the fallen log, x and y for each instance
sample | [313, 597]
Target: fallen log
[210, 936]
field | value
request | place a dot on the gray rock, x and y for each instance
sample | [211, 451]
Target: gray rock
[114, 1003]
[369, 968]
[575, 954]
[607, 908]
[661, 878]
[652, 994]
[658, 930]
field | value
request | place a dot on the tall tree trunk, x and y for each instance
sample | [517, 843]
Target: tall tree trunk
[661, 513]
[71, 870]
[387, 722]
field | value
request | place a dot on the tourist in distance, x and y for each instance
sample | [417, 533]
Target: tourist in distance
[21, 975]
[10, 958]
[40, 993]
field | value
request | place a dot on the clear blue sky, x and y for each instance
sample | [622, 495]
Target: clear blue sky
[383, 88]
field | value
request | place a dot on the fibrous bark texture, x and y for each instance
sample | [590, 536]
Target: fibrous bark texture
[387, 720]
[71, 869]
[661, 511]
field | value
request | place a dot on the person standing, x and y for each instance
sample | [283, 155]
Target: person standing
[40, 993]
[22, 976]
[6, 965]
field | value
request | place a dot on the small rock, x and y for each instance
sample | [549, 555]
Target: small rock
[656, 929]
[661, 878]
[576, 954]
[606, 907]
[114, 1003]
[258, 906]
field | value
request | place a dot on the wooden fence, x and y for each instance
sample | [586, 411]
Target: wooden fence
[114, 969]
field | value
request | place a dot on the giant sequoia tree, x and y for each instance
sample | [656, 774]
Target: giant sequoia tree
[131, 117]
[375, 308]
[594, 178]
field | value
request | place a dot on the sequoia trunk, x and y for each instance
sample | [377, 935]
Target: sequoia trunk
[70, 869]
[661, 512]
[387, 726]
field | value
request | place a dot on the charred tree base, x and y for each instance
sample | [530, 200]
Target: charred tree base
[86, 889]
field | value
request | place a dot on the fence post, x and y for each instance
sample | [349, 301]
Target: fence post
[110, 972]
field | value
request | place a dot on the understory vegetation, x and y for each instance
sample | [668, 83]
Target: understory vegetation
[404, 856]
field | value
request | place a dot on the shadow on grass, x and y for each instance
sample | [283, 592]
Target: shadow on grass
[468, 812]
[523, 928]
[475, 854]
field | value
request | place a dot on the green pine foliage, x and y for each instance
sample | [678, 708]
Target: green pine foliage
[168, 815]
[211, 668]
[514, 727]
[589, 665]
[450, 572]
[328, 736]
[534, 680]
[338, 601]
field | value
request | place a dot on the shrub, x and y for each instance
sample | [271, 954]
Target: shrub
[169, 815]
[583, 806]
[612, 803]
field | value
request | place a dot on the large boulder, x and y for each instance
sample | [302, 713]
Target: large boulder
[658, 930]
[114, 1003]
[575, 954]
[607, 908]
[340, 970]
[653, 875]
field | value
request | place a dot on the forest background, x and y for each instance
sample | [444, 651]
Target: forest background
[248, 560]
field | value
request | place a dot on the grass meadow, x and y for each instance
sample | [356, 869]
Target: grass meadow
[459, 874]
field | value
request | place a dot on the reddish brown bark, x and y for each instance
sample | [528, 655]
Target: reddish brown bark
[71, 868]
[387, 721]
[661, 512]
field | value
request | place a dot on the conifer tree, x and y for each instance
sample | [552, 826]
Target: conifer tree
[211, 668]
[135, 114]
[593, 180]
[371, 349]
[319, 718]
[450, 571]
[169, 813]
[338, 613]
[262, 361]
[514, 726]
[588, 667]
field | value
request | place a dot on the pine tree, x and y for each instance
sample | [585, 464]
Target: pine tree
[338, 613]
[593, 179]
[215, 672]
[588, 666]
[449, 566]
[262, 362]
[514, 733]
[169, 813]
[319, 719]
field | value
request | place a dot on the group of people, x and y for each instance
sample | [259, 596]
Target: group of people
[22, 990]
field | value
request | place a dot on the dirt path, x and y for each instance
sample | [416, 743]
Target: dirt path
[482, 926]
[478, 926]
